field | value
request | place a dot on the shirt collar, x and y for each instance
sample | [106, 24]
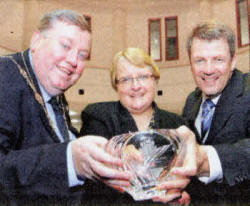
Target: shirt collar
[214, 100]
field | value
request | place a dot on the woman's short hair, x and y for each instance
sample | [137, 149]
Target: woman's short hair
[212, 31]
[135, 56]
[67, 16]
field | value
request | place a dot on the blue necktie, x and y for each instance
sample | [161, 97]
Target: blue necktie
[207, 116]
[60, 120]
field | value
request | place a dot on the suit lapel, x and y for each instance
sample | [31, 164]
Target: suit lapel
[24, 62]
[195, 109]
[193, 112]
[224, 109]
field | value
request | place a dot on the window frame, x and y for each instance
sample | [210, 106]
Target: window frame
[239, 36]
[88, 18]
[149, 37]
[166, 39]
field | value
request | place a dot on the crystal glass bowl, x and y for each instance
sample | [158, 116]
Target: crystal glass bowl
[149, 156]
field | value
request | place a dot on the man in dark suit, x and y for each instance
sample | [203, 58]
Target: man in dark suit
[40, 159]
[218, 111]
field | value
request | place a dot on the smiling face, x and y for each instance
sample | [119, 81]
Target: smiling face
[59, 55]
[137, 95]
[211, 65]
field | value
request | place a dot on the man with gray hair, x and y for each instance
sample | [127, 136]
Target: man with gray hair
[218, 111]
[41, 161]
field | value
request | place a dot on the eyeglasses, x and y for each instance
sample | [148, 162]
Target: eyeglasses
[128, 80]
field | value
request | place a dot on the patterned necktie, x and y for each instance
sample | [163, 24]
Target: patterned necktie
[207, 116]
[60, 120]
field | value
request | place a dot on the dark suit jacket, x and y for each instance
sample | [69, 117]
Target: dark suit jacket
[229, 133]
[32, 161]
[109, 119]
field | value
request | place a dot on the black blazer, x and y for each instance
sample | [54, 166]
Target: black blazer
[109, 119]
[230, 129]
[32, 161]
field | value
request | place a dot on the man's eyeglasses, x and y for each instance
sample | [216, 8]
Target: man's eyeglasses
[129, 80]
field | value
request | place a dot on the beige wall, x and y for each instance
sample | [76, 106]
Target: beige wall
[117, 24]
[11, 25]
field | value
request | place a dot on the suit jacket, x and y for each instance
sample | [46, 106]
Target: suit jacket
[32, 160]
[109, 119]
[229, 133]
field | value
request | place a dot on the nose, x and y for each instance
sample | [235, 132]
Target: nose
[209, 68]
[72, 57]
[135, 84]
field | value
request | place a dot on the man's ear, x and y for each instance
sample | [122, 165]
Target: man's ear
[233, 62]
[35, 40]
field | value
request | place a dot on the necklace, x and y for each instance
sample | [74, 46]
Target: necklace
[152, 121]
[27, 76]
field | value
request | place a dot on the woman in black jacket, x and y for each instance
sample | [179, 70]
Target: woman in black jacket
[134, 75]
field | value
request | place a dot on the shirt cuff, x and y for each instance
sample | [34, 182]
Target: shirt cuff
[72, 176]
[216, 173]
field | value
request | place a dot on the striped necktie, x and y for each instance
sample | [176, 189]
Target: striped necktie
[60, 120]
[207, 116]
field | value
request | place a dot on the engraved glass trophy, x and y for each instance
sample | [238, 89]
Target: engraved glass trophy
[148, 155]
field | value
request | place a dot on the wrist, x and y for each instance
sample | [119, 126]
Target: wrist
[203, 163]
